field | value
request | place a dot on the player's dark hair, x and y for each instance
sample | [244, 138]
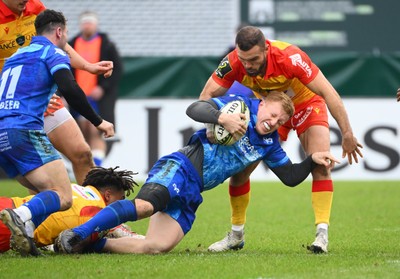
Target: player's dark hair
[47, 20]
[248, 37]
[99, 178]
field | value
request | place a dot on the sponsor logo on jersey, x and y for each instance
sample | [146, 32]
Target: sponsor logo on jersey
[223, 68]
[300, 117]
[85, 192]
[297, 61]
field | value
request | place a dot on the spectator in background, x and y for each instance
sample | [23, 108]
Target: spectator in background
[102, 93]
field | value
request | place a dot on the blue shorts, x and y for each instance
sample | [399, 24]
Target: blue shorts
[184, 184]
[24, 150]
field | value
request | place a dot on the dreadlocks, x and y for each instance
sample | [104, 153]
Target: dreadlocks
[101, 177]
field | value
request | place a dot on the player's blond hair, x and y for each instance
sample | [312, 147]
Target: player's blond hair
[283, 98]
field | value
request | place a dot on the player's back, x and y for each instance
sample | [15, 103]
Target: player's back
[27, 84]
[87, 201]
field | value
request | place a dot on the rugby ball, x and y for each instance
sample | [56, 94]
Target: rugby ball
[221, 135]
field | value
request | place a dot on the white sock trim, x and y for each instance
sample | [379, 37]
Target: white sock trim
[323, 226]
[24, 213]
[237, 228]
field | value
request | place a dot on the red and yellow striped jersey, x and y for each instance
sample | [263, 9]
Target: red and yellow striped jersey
[289, 69]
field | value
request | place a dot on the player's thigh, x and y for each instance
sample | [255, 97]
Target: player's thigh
[315, 139]
[50, 176]
[68, 139]
[164, 232]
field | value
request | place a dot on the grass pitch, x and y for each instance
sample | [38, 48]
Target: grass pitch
[364, 239]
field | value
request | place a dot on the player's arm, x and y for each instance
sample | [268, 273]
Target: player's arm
[204, 111]
[293, 174]
[321, 86]
[78, 62]
[212, 89]
[76, 98]
[208, 112]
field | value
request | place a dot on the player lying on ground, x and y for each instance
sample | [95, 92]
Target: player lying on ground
[172, 191]
[28, 80]
[100, 188]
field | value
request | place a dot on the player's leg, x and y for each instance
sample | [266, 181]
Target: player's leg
[96, 142]
[68, 139]
[163, 234]
[239, 194]
[150, 199]
[317, 138]
[51, 181]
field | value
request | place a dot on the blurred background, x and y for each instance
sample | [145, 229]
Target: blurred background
[169, 49]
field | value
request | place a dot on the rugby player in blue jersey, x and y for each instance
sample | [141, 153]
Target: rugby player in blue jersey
[28, 80]
[172, 191]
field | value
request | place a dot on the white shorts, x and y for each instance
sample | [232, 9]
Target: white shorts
[53, 121]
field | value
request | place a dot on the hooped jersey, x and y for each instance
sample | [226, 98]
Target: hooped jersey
[17, 31]
[289, 69]
[87, 201]
[27, 84]
[221, 162]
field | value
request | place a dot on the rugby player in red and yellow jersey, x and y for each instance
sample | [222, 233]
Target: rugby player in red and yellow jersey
[17, 28]
[264, 66]
[101, 187]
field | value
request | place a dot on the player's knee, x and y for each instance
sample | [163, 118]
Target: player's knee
[157, 247]
[239, 179]
[156, 194]
[82, 155]
[321, 173]
[65, 202]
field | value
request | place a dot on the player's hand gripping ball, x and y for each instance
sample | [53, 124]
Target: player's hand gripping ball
[221, 135]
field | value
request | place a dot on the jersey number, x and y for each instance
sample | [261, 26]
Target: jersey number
[14, 73]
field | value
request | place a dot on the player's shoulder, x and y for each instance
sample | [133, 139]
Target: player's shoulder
[34, 7]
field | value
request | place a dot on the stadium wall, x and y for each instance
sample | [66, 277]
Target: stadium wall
[352, 74]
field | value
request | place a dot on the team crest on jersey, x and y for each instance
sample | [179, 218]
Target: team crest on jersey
[223, 68]
[297, 61]
[20, 40]
[268, 140]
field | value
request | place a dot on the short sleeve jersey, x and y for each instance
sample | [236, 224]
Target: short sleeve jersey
[221, 162]
[17, 31]
[87, 201]
[27, 83]
[289, 69]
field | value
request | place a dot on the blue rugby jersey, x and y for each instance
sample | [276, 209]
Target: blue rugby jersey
[27, 84]
[221, 162]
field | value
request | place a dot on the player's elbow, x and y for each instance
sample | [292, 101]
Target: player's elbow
[291, 182]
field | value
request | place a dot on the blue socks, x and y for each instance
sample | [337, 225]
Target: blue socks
[109, 217]
[42, 205]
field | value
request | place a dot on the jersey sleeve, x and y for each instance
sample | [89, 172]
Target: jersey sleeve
[227, 71]
[277, 156]
[299, 65]
[57, 59]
